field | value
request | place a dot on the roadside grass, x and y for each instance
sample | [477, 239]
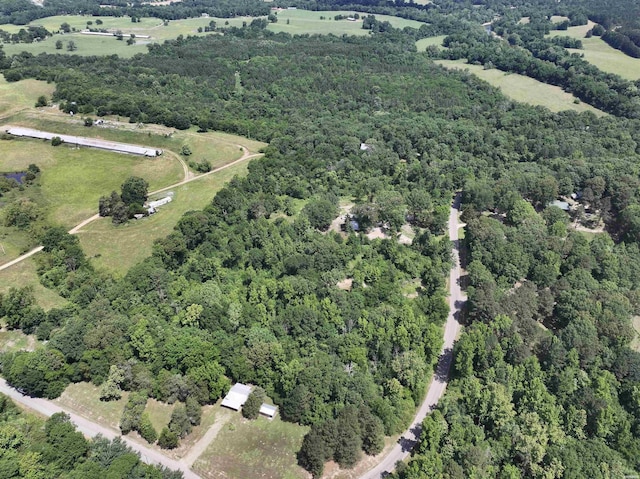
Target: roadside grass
[524, 89]
[600, 54]
[159, 413]
[24, 274]
[300, 22]
[423, 43]
[13, 341]
[84, 399]
[117, 248]
[259, 448]
[22, 94]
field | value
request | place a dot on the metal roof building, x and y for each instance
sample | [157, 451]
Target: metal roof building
[268, 410]
[84, 141]
[237, 396]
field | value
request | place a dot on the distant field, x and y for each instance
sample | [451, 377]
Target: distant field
[524, 89]
[305, 21]
[600, 54]
[635, 343]
[423, 43]
[558, 18]
[300, 21]
[260, 448]
[117, 248]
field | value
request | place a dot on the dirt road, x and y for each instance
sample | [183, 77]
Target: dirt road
[441, 376]
[92, 429]
[246, 155]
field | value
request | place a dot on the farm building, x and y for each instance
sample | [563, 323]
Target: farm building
[153, 205]
[237, 396]
[268, 410]
[83, 141]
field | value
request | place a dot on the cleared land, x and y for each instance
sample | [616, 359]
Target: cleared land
[524, 89]
[117, 248]
[300, 21]
[11, 341]
[423, 43]
[23, 94]
[24, 274]
[84, 399]
[600, 54]
[260, 448]
[635, 344]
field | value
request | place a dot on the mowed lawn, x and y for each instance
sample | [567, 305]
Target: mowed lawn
[524, 89]
[84, 399]
[117, 248]
[600, 54]
[259, 448]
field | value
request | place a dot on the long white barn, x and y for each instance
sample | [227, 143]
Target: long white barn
[84, 141]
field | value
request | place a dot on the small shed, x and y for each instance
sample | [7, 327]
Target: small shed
[237, 396]
[563, 205]
[268, 410]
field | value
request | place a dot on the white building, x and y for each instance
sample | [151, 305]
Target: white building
[237, 396]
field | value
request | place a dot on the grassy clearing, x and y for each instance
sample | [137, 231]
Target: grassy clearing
[72, 180]
[259, 448]
[12, 341]
[600, 54]
[159, 413]
[305, 21]
[300, 21]
[635, 344]
[84, 399]
[22, 94]
[118, 248]
[423, 43]
[559, 19]
[24, 274]
[524, 89]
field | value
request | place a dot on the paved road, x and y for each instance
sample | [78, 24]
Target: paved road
[441, 377]
[92, 429]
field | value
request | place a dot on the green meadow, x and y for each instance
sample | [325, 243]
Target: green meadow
[600, 54]
[524, 89]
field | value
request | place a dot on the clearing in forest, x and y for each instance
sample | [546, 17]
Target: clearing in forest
[524, 89]
[258, 448]
[597, 52]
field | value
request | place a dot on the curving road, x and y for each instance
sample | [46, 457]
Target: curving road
[457, 298]
[91, 429]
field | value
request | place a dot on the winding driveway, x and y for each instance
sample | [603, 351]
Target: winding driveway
[457, 298]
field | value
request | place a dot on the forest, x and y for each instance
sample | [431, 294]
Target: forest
[544, 382]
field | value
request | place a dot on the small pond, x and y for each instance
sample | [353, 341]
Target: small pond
[18, 176]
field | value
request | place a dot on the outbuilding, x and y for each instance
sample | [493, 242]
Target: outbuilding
[237, 396]
[268, 410]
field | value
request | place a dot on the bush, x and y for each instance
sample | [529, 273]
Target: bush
[56, 140]
[251, 408]
[146, 429]
[168, 439]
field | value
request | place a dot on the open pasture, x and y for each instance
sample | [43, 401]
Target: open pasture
[524, 89]
[290, 21]
[423, 43]
[117, 248]
[600, 54]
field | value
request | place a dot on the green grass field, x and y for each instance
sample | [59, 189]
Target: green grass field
[524, 89]
[600, 54]
[117, 248]
[24, 274]
[423, 43]
[300, 21]
[12, 341]
[260, 448]
[23, 94]
[84, 399]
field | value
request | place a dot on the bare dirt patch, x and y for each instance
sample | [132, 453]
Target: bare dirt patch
[346, 284]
